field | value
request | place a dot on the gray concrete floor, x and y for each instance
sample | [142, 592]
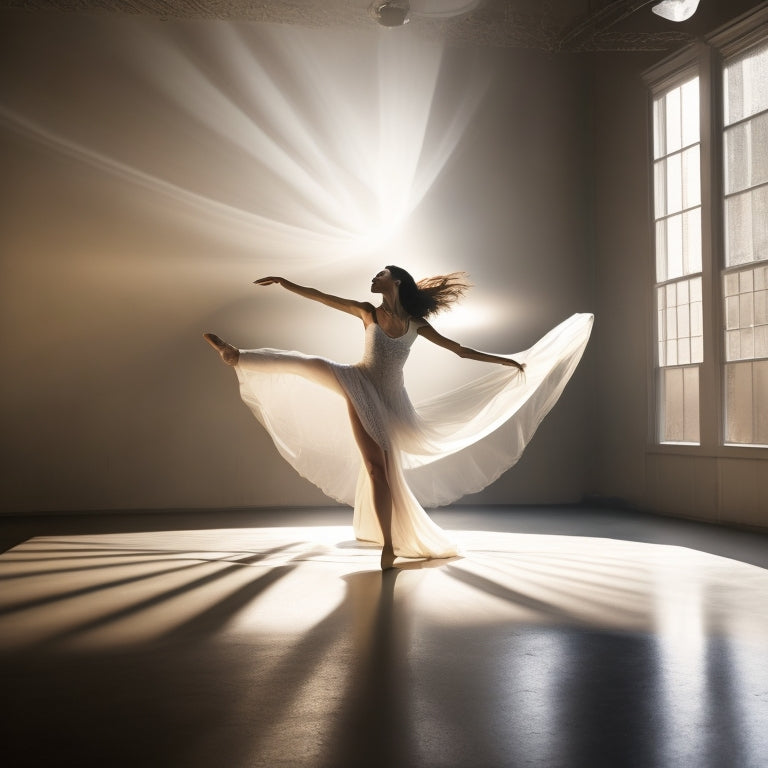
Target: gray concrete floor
[565, 636]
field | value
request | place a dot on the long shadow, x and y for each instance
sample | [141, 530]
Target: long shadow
[214, 618]
[510, 595]
[116, 583]
[373, 727]
[151, 602]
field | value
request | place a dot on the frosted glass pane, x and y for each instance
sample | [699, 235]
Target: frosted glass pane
[692, 241]
[733, 92]
[746, 310]
[674, 247]
[660, 188]
[671, 353]
[746, 280]
[746, 154]
[673, 125]
[671, 320]
[674, 183]
[696, 320]
[746, 84]
[690, 108]
[738, 403]
[680, 323]
[661, 251]
[691, 174]
[738, 228]
[736, 159]
[732, 345]
[691, 405]
[761, 341]
[761, 278]
[731, 312]
[760, 223]
[695, 286]
[697, 349]
[731, 284]
[759, 149]
[679, 416]
[672, 427]
[761, 308]
[746, 344]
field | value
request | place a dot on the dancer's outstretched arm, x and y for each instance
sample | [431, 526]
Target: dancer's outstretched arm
[360, 309]
[429, 333]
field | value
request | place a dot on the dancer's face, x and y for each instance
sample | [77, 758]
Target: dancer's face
[383, 282]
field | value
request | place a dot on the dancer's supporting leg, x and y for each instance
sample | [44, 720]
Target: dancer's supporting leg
[374, 457]
[375, 461]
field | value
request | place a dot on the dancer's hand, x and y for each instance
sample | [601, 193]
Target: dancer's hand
[269, 281]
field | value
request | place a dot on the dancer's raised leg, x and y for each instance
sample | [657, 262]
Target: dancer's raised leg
[229, 354]
[375, 461]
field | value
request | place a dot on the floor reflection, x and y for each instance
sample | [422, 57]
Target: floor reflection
[285, 646]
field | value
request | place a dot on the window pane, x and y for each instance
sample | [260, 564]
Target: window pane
[746, 409]
[746, 154]
[690, 108]
[680, 323]
[679, 390]
[674, 135]
[746, 226]
[691, 174]
[745, 312]
[746, 85]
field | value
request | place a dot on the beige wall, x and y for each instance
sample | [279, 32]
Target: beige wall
[110, 398]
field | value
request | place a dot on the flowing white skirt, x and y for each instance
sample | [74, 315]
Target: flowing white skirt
[467, 436]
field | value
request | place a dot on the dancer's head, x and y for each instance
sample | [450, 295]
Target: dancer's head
[426, 297]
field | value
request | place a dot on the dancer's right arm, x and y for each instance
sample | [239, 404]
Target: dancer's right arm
[360, 309]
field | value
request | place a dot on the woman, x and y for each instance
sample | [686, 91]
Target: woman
[392, 437]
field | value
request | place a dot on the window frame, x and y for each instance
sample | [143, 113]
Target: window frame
[705, 59]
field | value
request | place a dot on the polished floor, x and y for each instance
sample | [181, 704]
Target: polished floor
[562, 637]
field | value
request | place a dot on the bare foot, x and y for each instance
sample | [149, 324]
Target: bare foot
[387, 558]
[229, 354]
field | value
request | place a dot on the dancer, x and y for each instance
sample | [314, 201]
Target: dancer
[299, 398]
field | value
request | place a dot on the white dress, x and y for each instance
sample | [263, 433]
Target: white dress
[438, 451]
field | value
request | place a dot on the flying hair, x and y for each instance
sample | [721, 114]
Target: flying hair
[430, 295]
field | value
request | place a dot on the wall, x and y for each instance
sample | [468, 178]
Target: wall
[115, 260]
[724, 485]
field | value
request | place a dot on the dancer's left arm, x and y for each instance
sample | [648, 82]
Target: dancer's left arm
[429, 333]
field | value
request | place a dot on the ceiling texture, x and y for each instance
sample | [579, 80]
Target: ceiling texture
[547, 25]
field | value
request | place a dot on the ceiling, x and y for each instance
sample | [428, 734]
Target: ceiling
[549, 25]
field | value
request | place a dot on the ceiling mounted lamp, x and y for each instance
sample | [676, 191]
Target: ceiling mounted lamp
[391, 13]
[676, 10]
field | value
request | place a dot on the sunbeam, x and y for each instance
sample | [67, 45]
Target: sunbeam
[316, 147]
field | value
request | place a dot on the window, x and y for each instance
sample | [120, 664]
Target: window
[710, 213]
[677, 214]
[745, 273]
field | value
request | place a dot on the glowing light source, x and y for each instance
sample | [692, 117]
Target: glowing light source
[676, 10]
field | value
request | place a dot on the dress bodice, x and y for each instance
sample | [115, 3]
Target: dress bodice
[385, 356]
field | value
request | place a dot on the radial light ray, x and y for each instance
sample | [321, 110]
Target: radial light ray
[315, 144]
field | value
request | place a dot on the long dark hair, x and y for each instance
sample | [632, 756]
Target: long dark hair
[431, 294]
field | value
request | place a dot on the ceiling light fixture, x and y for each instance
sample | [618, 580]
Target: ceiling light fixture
[676, 10]
[391, 13]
